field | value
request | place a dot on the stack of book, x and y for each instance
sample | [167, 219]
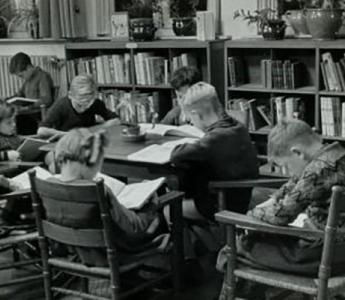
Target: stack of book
[278, 74]
[236, 71]
[333, 73]
[332, 116]
[286, 108]
[132, 107]
[106, 69]
[74, 18]
[249, 113]
[151, 69]
[10, 84]
[184, 60]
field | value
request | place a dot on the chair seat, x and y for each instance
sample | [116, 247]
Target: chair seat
[290, 282]
[16, 239]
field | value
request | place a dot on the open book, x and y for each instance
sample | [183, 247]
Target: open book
[159, 154]
[135, 195]
[23, 181]
[299, 221]
[162, 129]
[29, 149]
[21, 101]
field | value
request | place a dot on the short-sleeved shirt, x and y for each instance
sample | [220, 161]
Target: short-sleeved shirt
[39, 86]
[62, 116]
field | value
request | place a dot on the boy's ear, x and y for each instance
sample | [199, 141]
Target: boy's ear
[297, 151]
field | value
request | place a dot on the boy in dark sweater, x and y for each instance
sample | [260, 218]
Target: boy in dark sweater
[224, 153]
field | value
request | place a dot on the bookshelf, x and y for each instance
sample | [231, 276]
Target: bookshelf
[311, 89]
[207, 55]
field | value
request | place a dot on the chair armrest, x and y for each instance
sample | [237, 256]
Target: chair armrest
[169, 198]
[246, 183]
[247, 222]
[16, 194]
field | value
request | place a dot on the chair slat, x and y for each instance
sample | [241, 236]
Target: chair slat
[74, 237]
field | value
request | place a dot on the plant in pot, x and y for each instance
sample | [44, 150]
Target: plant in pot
[271, 27]
[141, 24]
[183, 13]
[324, 17]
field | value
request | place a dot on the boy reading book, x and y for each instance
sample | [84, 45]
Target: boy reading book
[225, 152]
[181, 80]
[315, 168]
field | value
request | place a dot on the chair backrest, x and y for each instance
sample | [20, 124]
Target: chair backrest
[74, 214]
[337, 207]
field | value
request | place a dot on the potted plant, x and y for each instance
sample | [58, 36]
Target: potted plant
[324, 17]
[141, 24]
[271, 26]
[183, 13]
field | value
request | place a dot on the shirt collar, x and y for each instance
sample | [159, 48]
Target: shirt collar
[224, 121]
[325, 149]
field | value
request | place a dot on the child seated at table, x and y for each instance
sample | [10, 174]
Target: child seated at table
[314, 168]
[181, 80]
[78, 109]
[224, 153]
[80, 156]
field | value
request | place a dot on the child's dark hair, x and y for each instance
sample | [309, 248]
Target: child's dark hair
[19, 62]
[185, 76]
[6, 110]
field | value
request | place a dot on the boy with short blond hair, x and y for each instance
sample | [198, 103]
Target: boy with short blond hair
[224, 153]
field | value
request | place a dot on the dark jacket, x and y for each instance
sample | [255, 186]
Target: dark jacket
[225, 152]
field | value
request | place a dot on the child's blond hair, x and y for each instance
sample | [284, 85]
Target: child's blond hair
[287, 134]
[202, 98]
[83, 84]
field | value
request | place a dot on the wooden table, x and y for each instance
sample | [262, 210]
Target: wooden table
[117, 164]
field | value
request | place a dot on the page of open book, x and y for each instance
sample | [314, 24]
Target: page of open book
[299, 221]
[159, 154]
[115, 185]
[162, 129]
[23, 181]
[135, 195]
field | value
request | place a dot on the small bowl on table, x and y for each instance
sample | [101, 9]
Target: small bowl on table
[133, 134]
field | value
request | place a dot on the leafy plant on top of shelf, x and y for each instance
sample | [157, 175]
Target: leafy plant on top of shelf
[140, 9]
[324, 4]
[183, 8]
[263, 17]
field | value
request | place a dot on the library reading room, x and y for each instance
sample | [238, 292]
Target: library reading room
[172, 149]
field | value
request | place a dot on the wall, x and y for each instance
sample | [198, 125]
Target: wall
[237, 28]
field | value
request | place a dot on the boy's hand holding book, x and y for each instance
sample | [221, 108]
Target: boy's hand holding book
[13, 155]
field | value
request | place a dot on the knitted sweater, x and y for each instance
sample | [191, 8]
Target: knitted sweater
[8, 142]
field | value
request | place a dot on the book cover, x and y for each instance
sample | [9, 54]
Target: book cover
[44, 18]
[324, 76]
[29, 149]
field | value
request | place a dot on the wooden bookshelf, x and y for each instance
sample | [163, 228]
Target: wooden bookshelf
[208, 54]
[308, 52]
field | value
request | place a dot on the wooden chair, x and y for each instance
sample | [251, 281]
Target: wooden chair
[98, 234]
[20, 239]
[321, 288]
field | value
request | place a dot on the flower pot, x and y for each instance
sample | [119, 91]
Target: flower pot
[323, 24]
[184, 26]
[3, 28]
[297, 19]
[142, 29]
[274, 30]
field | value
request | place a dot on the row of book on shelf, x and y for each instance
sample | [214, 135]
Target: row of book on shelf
[75, 18]
[332, 116]
[333, 73]
[132, 107]
[149, 68]
[10, 84]
[277, 74]
[259, 116]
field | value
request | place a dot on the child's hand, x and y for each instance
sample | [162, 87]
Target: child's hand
[13, 155]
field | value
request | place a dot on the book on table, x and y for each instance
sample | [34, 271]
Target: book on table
[134, 195]
[21, 101]
[30, 149]
[183, 131]
[23, 181]
[158, 154]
